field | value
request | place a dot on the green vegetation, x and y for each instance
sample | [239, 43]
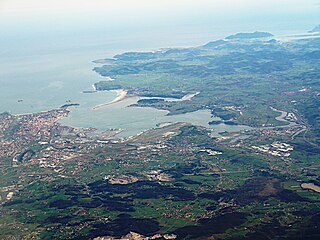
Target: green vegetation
[250, 35]
[178, 179]
[237, 80]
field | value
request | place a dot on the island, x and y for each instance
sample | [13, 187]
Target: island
[70, 105]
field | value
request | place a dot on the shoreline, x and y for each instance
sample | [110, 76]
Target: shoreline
[187, 97]
[121, 95]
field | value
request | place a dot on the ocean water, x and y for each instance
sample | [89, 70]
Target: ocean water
[46, 51]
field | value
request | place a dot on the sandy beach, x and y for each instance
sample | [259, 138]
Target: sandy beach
[121, 94]
[187, 97]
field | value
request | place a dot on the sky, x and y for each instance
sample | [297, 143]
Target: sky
[85, 5]
[31, 20]
[82, 13]
[143, 8]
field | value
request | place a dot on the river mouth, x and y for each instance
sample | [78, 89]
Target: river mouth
[133, 120]
[130, 120]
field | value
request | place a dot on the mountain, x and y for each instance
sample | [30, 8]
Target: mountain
[250, 35]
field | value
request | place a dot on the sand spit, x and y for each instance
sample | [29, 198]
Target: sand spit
[187, 97]
[121, 94]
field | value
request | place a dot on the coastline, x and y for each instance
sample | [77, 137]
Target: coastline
[187, 97]
[121, 95]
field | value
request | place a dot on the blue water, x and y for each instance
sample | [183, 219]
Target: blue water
[46, 57]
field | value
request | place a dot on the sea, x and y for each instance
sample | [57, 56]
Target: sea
[47, 52]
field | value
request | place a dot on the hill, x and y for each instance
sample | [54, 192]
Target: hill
[250, 35]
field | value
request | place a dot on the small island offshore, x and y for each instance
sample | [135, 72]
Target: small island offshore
[177, 180]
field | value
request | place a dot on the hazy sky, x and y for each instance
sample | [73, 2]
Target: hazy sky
[136, 11]
[33, 5]
[53, 7]
[35, 19]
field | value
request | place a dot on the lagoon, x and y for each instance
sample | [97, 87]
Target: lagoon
[133, 120]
